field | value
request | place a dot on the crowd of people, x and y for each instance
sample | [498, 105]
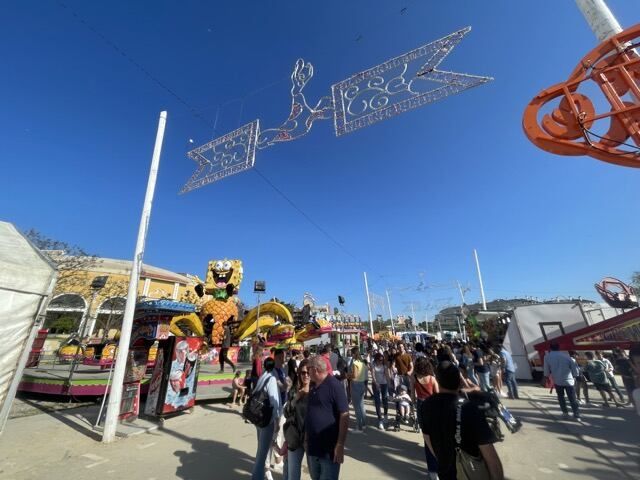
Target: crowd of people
[426, 385]
[569, 373]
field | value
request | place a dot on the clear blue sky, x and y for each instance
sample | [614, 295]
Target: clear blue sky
[412, 194]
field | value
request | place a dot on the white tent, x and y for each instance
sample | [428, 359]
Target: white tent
[27, 279]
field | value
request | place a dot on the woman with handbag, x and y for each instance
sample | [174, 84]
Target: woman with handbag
[294, 413]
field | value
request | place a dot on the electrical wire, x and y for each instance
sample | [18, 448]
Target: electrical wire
[197, 114]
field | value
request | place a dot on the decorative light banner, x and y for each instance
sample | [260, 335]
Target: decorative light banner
[399, 85]
[396, 86]
[232, 153]
[628, 331]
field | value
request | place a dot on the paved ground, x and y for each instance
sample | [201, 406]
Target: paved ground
[214, 442]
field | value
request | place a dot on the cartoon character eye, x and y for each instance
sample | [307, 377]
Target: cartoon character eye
[227, 265]
[219, 266]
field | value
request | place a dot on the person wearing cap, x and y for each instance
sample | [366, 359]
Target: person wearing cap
[439, 427]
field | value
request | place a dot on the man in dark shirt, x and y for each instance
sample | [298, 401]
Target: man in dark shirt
[482, 369]
[439, 427]
[224, 349]
[326, 422]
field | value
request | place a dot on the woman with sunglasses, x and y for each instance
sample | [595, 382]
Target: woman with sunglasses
[294, 413]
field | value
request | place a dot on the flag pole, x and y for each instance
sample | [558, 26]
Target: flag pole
[366, 287]
[484, 301]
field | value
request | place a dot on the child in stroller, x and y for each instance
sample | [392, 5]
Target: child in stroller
[489, 403]
[405, 411]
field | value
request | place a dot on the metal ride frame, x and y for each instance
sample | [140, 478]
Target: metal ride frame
[614, 67]
[398, 85]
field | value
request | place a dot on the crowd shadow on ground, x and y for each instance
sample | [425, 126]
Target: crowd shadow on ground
[209, 459]
[611, 433]
[393, 455]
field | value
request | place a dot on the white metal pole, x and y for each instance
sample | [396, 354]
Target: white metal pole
[484, 301]
[413, 318]
[393, 327]
[115, 395]
[366, 287]
[599, 18]
[462, 333]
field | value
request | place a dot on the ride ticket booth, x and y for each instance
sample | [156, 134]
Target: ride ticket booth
[174, 332]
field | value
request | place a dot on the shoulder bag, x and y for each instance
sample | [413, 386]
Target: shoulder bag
[468, 467]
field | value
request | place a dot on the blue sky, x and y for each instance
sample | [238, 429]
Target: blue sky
[408, 198]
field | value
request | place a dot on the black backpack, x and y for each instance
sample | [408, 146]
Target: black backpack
[258, 409]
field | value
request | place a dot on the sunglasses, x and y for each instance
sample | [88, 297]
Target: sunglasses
[303, 372]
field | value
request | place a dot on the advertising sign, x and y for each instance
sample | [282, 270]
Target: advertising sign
[183, 371]
[155, 384]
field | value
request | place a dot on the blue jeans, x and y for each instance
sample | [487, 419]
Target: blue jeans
[571, 393]
[265, 437]
[293, 464]
[485, 380]
[323, 468]
[381, 398]
[357, 398]
[512, 386]
[471, 374]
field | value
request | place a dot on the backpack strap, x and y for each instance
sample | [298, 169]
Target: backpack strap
[458, 435]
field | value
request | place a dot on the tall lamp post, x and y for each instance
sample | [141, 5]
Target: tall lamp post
[259, 286]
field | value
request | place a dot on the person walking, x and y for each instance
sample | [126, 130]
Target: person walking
[481, 369]
[608, 368]
[623, 366]
[295, 411]
[224, 349]
[467, 364]
[326, 423]
[269, 382]
[561, 367]
[404, 366]
[380, 388]
[358, 375]
[425, 386]
[598, 376]
[510, 368]
[448, 424]
[581, 384]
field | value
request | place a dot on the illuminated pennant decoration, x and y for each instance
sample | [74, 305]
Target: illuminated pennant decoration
[396, 86]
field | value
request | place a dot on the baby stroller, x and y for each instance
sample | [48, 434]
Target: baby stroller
[494, 411]
[410, 421]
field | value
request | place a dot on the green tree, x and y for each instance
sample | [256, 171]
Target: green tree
[63, 325]
[68, 258]
[635, 281]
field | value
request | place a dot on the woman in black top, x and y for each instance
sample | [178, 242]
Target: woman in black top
[294, 414]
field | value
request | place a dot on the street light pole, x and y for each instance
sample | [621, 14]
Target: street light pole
[393, 327]
[115, 394]
[484, 302]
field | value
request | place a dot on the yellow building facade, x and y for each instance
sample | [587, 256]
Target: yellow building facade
[83, 302]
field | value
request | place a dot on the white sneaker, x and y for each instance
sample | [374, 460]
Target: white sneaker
[356, 430]
[381, 425]
[580, 401]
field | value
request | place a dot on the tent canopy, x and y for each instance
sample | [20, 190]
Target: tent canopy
[26, 280]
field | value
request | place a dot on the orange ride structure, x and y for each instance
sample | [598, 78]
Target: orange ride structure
[596, 111]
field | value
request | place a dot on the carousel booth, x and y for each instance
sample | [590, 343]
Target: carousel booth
[174, 333]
